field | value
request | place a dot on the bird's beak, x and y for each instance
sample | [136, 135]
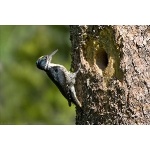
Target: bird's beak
[50, 56]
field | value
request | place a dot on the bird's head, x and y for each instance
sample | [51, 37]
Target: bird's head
[43, 62]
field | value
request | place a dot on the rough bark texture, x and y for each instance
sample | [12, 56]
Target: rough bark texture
[114, 82]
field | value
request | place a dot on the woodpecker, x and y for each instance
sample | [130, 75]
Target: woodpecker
[61, 77]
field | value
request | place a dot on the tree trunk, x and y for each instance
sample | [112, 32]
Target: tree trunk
[113, 84]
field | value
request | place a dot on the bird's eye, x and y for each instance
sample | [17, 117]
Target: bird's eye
[44, 58]
[56, 70]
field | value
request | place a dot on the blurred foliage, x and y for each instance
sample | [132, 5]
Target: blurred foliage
[27, 95]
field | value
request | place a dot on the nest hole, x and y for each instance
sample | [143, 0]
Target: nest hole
[102, 59]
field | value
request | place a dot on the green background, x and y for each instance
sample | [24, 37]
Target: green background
[27, 95]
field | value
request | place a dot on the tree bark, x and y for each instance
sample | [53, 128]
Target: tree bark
[113, 84]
